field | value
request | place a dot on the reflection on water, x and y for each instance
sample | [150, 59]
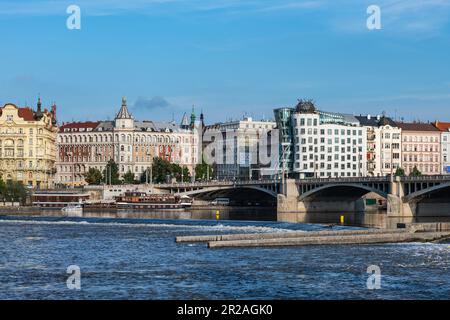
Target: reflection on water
[225, 213]
[371, 219]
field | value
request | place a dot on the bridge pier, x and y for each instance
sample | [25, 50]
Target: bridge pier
[287, 202]
[396, 206]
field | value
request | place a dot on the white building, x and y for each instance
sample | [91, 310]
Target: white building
[327, 145]
[241, 138]
[384, 152]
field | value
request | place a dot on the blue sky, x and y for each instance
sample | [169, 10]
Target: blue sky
[227, 57]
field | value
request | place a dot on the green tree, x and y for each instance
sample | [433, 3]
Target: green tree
[180, 173]
[128, 178]
[400, 172]
[146, 176]
[93, 176]
[415, 172]
[111, 173]
[161, 168]
[2, 189]
[203, 171]
[13, 191]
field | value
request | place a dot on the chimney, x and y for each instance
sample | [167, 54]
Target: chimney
[378, 117]
[368, 117]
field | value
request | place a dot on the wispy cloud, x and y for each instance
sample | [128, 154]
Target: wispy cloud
[156, 102]
[294, 5]
[117, 7]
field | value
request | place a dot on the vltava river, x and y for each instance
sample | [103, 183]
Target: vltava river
[139, 259]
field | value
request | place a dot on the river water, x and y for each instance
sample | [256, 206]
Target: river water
[123, 258]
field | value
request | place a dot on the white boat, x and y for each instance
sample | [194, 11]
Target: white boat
[73, 211]
[185, 201]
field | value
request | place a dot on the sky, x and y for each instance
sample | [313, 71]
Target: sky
[227, 58]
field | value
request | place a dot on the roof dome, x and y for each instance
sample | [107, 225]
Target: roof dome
[305, 106]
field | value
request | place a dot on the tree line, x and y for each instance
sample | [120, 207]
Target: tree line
[161, 171]
[12, 191]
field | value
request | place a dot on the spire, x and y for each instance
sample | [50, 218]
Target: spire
[39, 108]
[53, 112]
[192, 124]
[39, 104]
[202, 118]
[123, 112]
[185, 122]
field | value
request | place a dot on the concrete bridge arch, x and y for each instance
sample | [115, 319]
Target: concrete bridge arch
[224, 188]
[416, 195]
[364, 188]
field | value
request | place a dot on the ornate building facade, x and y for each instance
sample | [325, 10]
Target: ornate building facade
[421, 148]
[131, 144]
[27, 145]
[445, 145]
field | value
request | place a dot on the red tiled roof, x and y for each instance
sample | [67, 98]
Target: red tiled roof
[79, 125]
[417, 126]
[26, 113]
[443, 126]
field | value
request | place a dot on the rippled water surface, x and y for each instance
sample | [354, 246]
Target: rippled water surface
[139, 259]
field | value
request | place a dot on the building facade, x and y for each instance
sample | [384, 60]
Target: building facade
[240, 141]
[421, 148]
[27, 145]
[283, 118]
[384, 152]
[131, 144]
[444, 127]
[327, 145]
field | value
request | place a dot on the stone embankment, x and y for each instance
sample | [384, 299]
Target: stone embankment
[406, 233]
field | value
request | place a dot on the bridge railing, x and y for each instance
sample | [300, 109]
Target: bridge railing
[426, 178]
[216, 183]
[300, 181]
[343, 180]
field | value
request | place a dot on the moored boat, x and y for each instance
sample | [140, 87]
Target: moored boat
[144, 201]
[73, 210]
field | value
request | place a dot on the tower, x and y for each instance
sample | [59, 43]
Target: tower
[184, 122]
[192, 124]
[39, 109]
[124, 119]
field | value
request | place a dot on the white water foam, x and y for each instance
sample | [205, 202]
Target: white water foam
[218, 227]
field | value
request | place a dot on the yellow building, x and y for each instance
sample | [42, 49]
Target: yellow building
[27, 145]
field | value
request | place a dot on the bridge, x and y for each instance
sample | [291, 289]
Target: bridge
[405, 196]
[269, 187]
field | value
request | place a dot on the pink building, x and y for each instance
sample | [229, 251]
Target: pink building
[421, 148]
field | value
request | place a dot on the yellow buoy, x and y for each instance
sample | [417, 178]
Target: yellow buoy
[342, 219]
[217, 215]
